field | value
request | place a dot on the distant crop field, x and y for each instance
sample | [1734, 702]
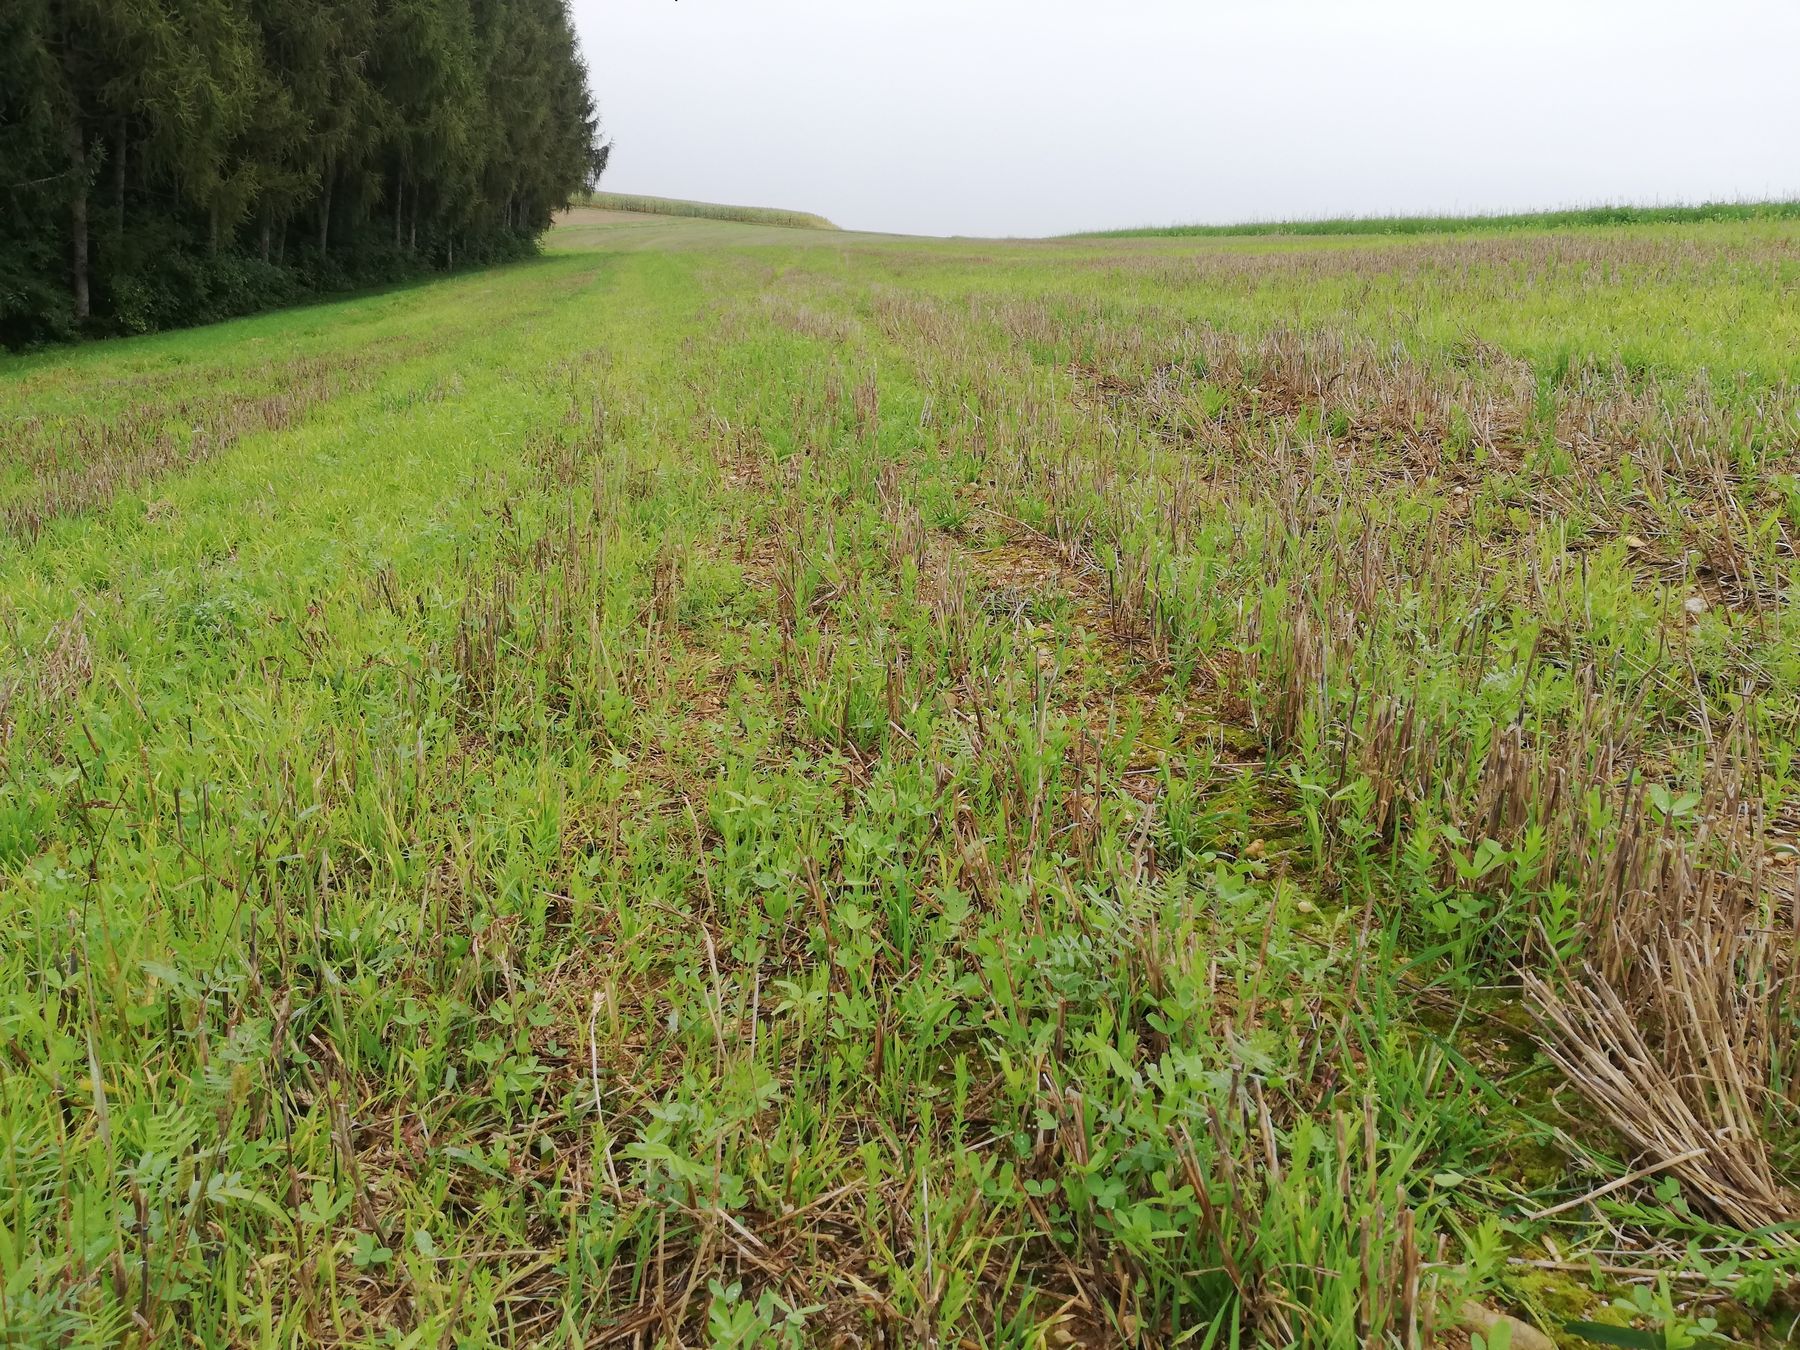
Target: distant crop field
[671, 206]
[1572, 218]
[745, 787]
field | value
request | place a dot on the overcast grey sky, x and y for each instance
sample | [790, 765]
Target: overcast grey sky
[1044, 116]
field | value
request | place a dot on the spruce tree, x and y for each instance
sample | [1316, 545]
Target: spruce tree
[172, 161]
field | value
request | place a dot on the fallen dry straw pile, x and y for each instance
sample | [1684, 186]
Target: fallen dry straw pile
[1677, 1029]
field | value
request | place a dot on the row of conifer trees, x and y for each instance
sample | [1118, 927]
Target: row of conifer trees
[166, 162]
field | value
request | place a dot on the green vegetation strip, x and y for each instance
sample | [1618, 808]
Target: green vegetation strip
[1574, 217]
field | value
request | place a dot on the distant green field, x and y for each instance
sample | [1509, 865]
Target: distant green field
[736, 786]
[672, 206]
[1578, 217]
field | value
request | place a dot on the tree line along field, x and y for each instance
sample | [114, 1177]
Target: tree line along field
[166, 165]
[730, 786]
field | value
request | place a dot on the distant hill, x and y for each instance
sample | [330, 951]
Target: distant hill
[1526, 220]
[671, 206]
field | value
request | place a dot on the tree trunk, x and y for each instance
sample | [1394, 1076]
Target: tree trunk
[263, 241]
[78, 222]
[118, 182]
[399, 206]
[325, 210]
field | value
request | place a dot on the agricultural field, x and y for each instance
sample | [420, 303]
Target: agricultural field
[737, 786]
[675, 206]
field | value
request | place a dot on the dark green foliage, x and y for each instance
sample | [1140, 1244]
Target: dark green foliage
[167, 162]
